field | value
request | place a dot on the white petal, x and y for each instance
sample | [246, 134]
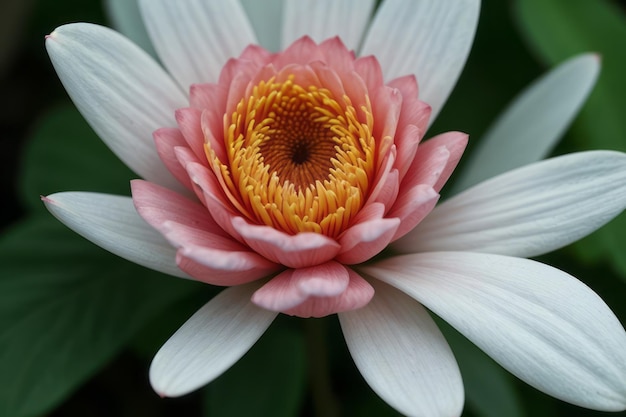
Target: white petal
[538, 322]
[323, 19]
[430, 39]
[528, 211]
[533, 123]
[195, 38]
[266, 18]
[210, 342]
[403, 356]
[126, 19]
[111, 222]
[120, 90]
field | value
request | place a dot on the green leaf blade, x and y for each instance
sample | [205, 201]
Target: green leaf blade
[67, 308]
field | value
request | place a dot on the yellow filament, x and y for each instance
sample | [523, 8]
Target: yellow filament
[299, 159]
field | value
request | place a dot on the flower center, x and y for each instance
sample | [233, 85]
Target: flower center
[299, 159]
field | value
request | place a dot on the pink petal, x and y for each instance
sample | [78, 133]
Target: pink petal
[279, 293]
[380, 182]
[430, 165]
[256, 54]
[302, 51]
[357, 295]
[211, 125]
[386, 105]
[190, 237]
[407, 85]
[206, 252]
[189, 123]
[294, 251]
[328, 78]
[455, 143]
[206, 95]
[336, 55]
[371, 211]
[390, 186]
[365, 240]
[208, 190]
[211, 194]
[412, 206]
[294, 286]
[166, 140]
[369, 69]
[227, 268]
[158, 205]
[250, 61]
[325, 280]
[407, 141]
[187, 158]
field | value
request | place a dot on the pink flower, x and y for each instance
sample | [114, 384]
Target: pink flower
[302, 162]
[283, 176]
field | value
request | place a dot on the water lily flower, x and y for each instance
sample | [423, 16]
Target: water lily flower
[296, 176]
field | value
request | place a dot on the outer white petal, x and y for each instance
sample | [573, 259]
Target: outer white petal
[210, 342]
[541, 324]
[533, 123]
[266, 18]
[322, 19]
[126, 18]
[195, 38]
[403, 356]
[111, 222]
[430, 39]
[528, 211]
[121, 91]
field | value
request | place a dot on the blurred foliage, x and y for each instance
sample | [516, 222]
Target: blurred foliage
[75, 319]
[268, 381]
[65, 154]
[66, 307]
[556, 29]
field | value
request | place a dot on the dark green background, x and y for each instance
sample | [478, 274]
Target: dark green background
[78, 326]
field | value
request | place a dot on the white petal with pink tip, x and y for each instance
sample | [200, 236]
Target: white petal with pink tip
[322, 19]
[210, 342]
[538, 322]
[111, 222]
[195, 38]
[528, 211]
[120, 90]
[430, 39]
[403, 356]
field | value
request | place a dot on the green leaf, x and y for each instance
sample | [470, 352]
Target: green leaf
[557, 29]
[66, 308]
[268, 381]
[490, 391]
[65, 154]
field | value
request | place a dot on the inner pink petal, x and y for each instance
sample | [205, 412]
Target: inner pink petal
[412, 207]
[294, 251]
[159, 205]
[357, 295]
[325, 280]
[365, 240]
[223, 268]
[166, 140]
[190, 126]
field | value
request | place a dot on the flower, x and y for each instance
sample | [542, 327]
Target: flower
[288, 172]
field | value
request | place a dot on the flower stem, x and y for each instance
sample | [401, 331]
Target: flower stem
[324, 400]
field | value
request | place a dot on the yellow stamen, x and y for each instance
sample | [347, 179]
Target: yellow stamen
[299, 159]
